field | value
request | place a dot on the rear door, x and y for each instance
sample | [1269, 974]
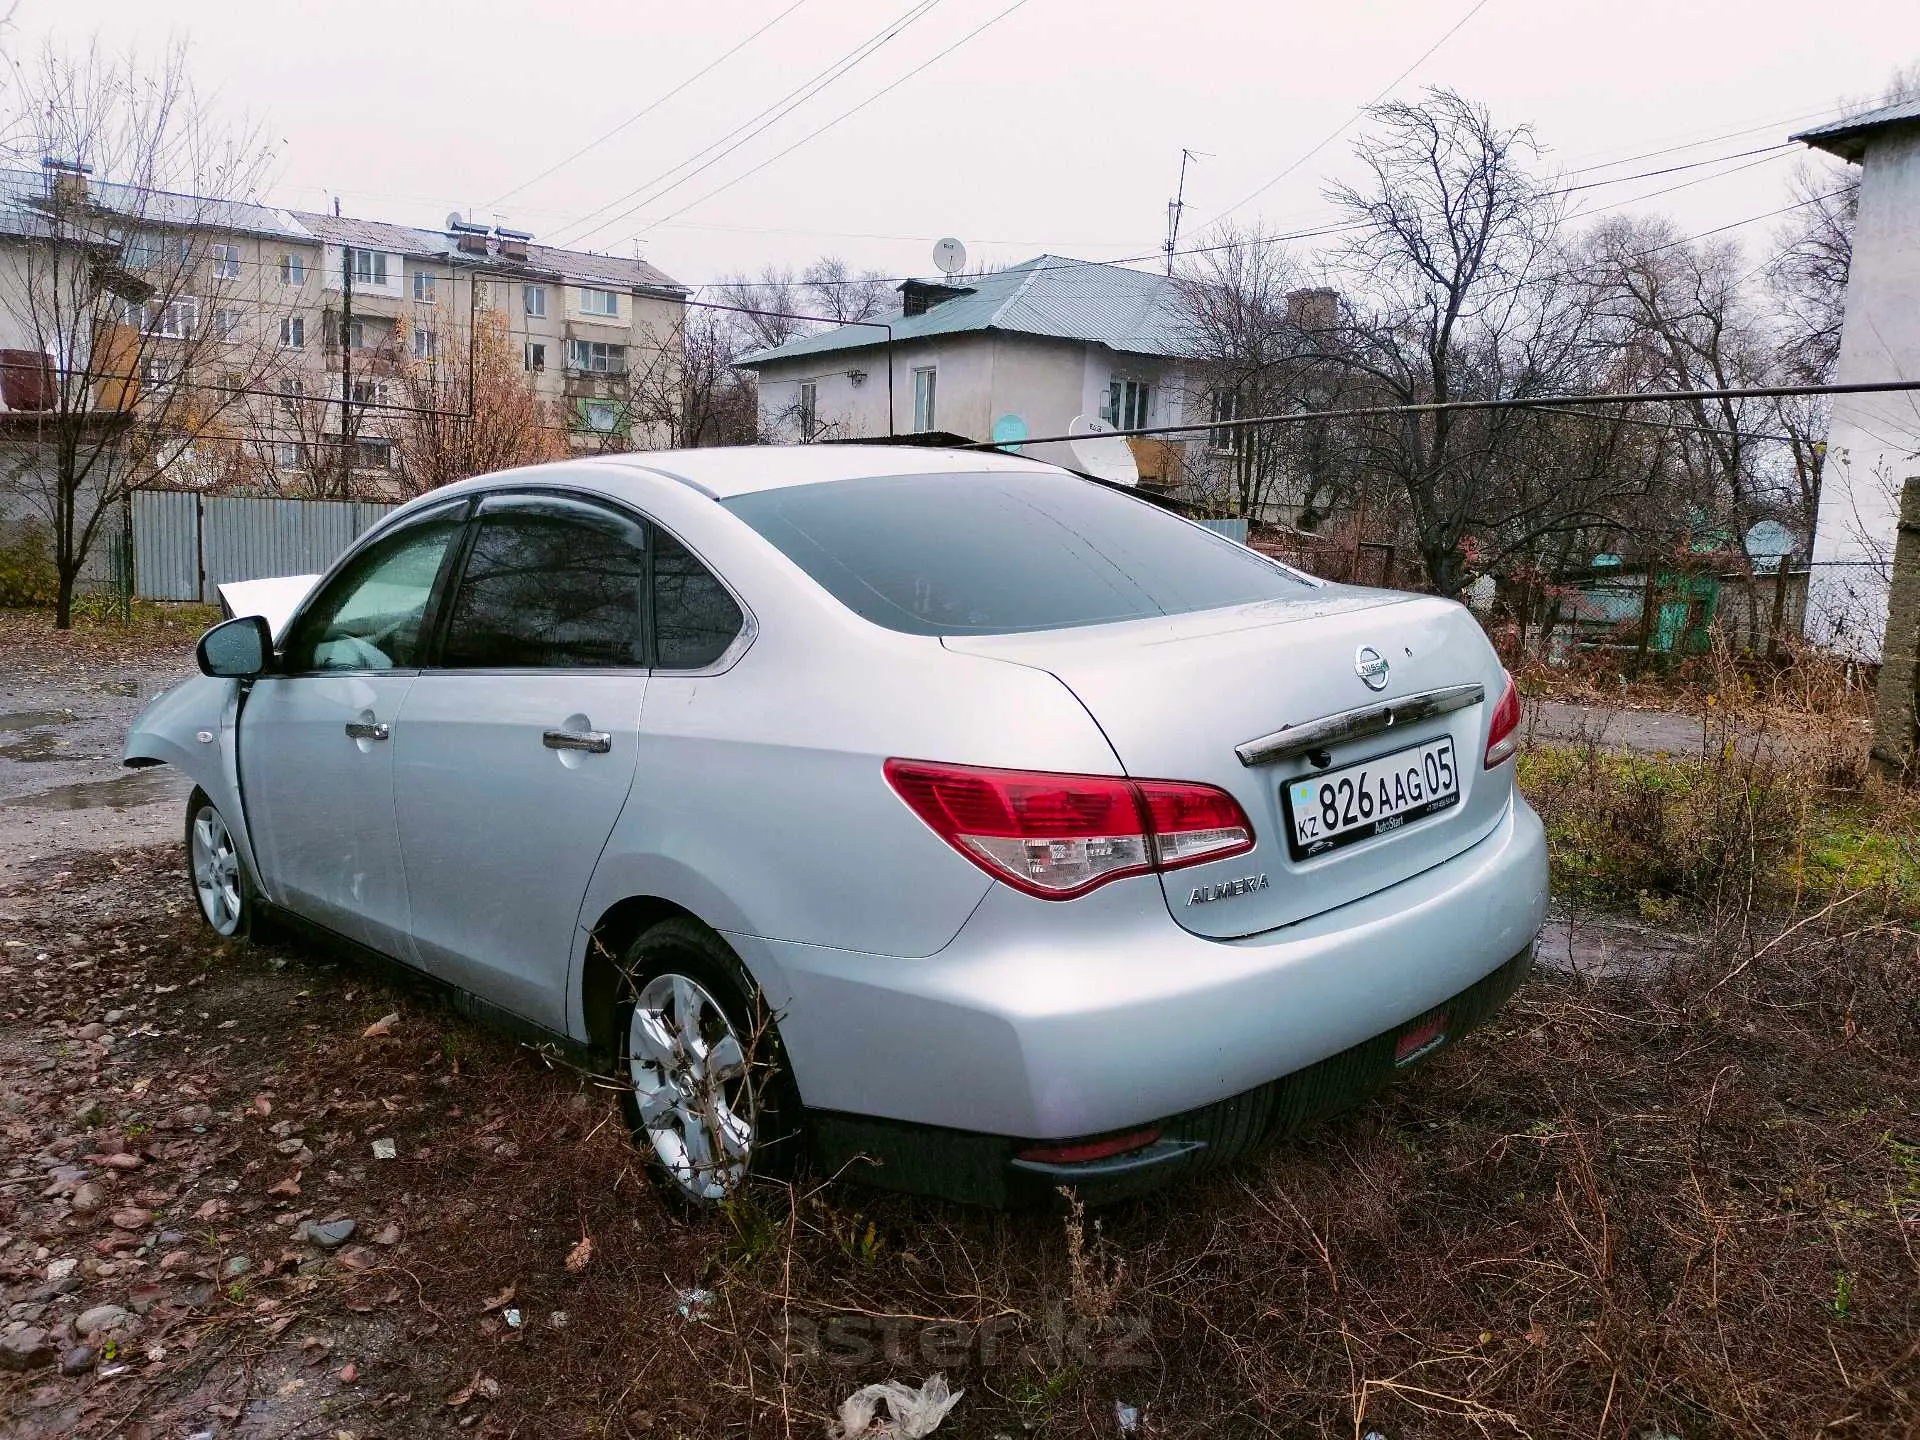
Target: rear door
[514, 754]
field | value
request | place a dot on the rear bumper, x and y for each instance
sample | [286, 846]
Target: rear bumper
[1048, 1021]
[987, 1170]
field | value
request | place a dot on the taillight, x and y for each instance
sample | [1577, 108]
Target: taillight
[1503, 735]
[1058, 836]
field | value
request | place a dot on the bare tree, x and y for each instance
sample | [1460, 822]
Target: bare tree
[105, 271]
[832, 289]
[1456, 236]
[766, 307]
[465, 410]
[684, 391]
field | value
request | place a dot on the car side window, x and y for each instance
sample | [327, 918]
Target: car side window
[550, 583]
[370, 616]
[694, 618]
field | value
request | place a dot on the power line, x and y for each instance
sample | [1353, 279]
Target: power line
[753, 126]
[1519, 402]
[854, 110]
[642, 114]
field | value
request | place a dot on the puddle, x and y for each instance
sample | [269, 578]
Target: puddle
[43, 745]
[142, 787]
[1606, 949]
[35, 719]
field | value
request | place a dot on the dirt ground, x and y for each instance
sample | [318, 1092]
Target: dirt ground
[246, 1190]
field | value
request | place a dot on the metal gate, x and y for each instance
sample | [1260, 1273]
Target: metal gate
[185, 545]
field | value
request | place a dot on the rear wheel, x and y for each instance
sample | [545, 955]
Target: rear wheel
[704, 1083]
[214, 866]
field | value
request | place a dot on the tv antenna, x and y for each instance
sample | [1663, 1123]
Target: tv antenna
[1177, 205]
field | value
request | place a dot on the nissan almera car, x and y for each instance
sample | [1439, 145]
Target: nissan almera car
[968, 825]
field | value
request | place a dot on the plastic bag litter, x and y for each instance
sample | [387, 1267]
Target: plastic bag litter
[910, 1413]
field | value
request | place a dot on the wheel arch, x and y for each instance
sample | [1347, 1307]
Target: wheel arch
[607, 938]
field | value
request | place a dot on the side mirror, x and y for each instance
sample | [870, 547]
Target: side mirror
[236, 649]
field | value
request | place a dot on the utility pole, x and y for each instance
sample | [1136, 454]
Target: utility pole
[1177, 205]
[346, 371]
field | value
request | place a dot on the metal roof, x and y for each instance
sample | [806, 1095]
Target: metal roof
[613, 270]
[1848, 138]
[23, 194]
[1049, 295]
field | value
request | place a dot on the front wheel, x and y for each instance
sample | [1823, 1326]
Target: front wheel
[213, 865]
[704, 1082]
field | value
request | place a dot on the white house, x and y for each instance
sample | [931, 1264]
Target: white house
[1873, 441]
[1016, 353]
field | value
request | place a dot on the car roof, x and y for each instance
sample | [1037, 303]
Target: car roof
[727, 471]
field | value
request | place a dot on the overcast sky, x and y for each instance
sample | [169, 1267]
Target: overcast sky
[1057, 128]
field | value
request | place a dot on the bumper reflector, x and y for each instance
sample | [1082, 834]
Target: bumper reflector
[1427, 1035]
[1105, 1148]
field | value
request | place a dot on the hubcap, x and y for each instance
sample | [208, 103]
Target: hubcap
[216, 871]
[689, 1074]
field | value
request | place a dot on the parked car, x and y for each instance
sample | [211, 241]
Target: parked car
[976, 826]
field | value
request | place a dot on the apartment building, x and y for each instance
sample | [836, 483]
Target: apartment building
[294, 329]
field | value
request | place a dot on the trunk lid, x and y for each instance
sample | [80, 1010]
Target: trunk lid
[1177, 695]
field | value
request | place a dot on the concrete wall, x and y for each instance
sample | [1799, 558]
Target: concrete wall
[1873, 440]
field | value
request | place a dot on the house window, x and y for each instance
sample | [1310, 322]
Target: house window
[422, 286]
[226, 262]
[600, 302]
[424, 347]
[290, 455]
[923, 413]
[293, 270]
[291, 391]
[144, 252]
[356, 334]
[225, 322]
[1128, 402]
[602, 417]
[1222, 406]
[536, 355]
[174, 320]
[595, 357]
[370, 267]
[536, 300]
[369, 392]
[160, 370]
[373, 453]
[809, 410]
[293, 333]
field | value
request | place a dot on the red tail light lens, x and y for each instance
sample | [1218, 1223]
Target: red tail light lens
[1503, 735]
[1058, 836]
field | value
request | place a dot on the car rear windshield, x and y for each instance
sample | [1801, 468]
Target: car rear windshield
[988, 554]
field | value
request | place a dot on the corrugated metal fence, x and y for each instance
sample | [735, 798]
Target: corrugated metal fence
[1235, 529]
[184, 545]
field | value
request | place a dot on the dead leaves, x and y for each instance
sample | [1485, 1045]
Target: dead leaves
[580, 1256]
[481, 1387]
[383, 1026]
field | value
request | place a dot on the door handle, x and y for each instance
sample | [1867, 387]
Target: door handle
[594, 742]
[361, 730]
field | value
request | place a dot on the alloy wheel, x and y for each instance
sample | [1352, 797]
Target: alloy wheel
[216, 871]
[689, 1073]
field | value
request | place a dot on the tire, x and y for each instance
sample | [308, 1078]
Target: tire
[215, 872]
[703, 1131]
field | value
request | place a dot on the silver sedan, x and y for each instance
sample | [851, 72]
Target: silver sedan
[965, 824]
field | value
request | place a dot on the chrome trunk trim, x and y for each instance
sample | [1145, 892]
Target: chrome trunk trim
[1354, 724]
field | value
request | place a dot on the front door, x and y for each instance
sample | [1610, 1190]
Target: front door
[513, 755]
[315, 742]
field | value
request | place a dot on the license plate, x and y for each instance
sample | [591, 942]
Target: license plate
[1375, 797]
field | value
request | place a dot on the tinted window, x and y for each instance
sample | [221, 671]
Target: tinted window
[550, 584]
[694, 617]
[369, 617]
[986, 554]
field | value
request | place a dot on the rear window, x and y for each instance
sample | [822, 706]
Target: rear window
[994, 553]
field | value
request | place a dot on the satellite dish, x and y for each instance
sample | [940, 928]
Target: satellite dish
[1102, 453]
[453, 220]
[949, 256]
[1010, 431]
[1768, 542]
